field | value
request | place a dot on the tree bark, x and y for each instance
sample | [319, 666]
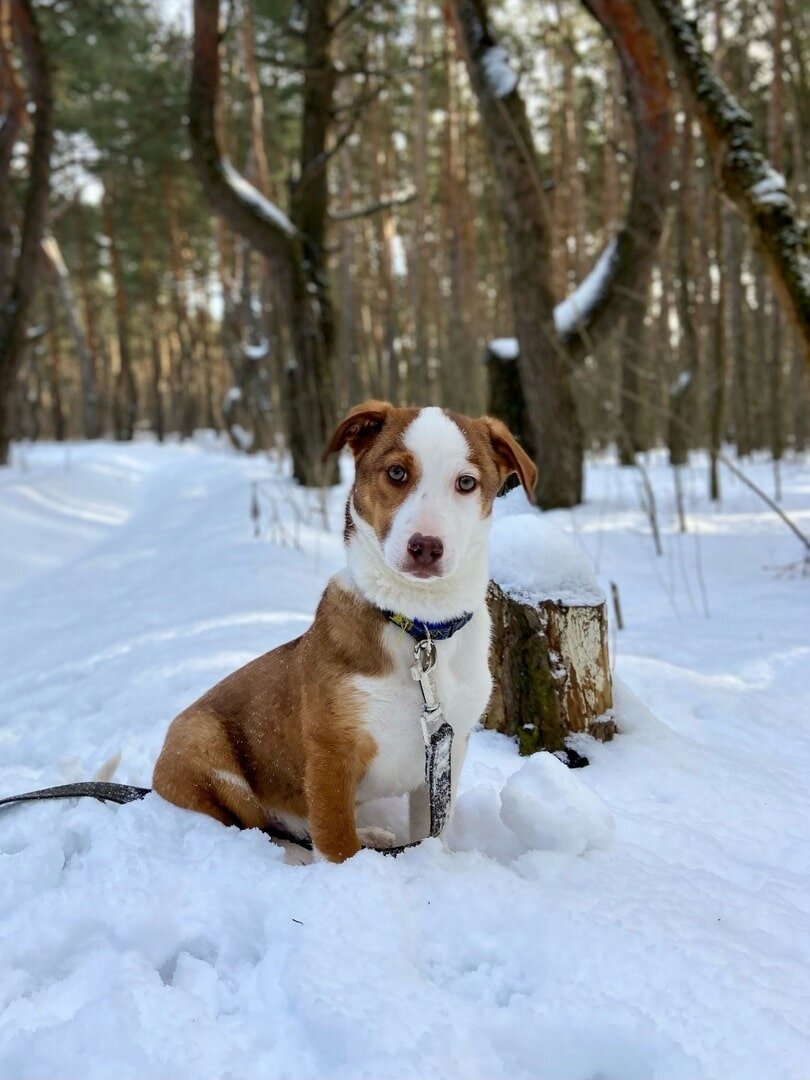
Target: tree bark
[551, 672]
[296, 249]
[16, 301]
[87, 369]
[58, 419]
[745, 176]
[125, 398]
[683, 391]
[547, 351]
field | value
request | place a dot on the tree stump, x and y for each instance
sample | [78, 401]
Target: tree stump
[551, 671]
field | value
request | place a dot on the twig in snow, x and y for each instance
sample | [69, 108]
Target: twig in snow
[650, 507]
[794, 528]
[617, 605]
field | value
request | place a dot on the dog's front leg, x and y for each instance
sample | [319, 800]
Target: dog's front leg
[331, 785]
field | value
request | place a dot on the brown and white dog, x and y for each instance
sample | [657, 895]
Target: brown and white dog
[302, 736]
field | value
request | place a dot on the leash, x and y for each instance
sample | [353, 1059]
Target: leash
[437, 734]
[98, 789]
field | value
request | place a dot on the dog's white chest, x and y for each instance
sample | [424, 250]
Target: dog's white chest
[392, 705]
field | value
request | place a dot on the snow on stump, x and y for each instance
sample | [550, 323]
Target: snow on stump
[549, 655]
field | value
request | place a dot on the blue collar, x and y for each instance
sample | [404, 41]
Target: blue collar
[437, 631]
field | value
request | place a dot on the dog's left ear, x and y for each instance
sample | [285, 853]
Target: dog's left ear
[510, 455]
[359, 428]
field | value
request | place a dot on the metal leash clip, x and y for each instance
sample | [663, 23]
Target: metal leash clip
[436, 732]
[424, 663]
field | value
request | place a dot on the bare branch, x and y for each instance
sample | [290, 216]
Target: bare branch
[374, 208]
[794, 528]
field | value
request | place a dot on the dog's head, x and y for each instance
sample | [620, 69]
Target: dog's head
[424, 486]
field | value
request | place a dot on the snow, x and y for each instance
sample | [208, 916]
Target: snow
[646, 918]
[232, 395]
[682, 381]
[771, 190]
[569, 313]
[532, 559]
[505, 348]
[254, 198]
[498, 71]
[258, 351]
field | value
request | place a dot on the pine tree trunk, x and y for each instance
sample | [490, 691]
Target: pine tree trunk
[125, 401]
[20, 282]
[87, 369]
[683, 393]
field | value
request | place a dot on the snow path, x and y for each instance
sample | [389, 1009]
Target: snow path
[143, 942]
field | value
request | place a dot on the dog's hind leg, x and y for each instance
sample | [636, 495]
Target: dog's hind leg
[197, 771]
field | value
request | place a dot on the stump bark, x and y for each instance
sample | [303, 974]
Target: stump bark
[551, 671]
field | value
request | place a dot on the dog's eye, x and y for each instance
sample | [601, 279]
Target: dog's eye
[398, 474]
[465, 484]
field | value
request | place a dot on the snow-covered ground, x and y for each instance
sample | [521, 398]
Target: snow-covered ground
[647, 917]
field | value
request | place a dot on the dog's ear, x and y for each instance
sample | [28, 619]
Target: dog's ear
[509, 455]
[360, 428]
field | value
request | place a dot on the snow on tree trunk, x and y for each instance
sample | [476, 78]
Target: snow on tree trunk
[549, 654]
[553, 337]
[746, 177]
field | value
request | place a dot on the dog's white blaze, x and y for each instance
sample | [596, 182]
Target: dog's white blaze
[434, 507]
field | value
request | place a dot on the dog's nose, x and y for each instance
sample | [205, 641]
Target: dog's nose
[425, 550]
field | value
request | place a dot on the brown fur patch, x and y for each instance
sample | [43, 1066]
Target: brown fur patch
[288, 723]
[374, 432]
[493, 444]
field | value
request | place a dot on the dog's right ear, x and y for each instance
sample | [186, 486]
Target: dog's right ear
[359, 429]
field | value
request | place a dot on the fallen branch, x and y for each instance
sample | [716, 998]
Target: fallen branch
[794, 528]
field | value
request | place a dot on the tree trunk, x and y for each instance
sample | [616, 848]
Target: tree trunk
[745, 176]
[125, 400]
[16, 300]
[55, 372]
[551, 672]
[296, 248]
[505, 397]
[548, 345]
[738, 347]
[717, 376]
[683, 392]
[633, 350]
[87, 369]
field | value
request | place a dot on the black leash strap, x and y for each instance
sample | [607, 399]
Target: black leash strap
[97, 789]
[437, 776]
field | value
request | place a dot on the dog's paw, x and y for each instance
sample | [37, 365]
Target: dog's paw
[378, 839]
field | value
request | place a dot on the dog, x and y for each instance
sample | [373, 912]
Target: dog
[301, 737]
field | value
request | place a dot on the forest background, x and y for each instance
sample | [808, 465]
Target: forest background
[390, 194]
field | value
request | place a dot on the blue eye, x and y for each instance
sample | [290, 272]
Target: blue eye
[465, 484]
[397, 474]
